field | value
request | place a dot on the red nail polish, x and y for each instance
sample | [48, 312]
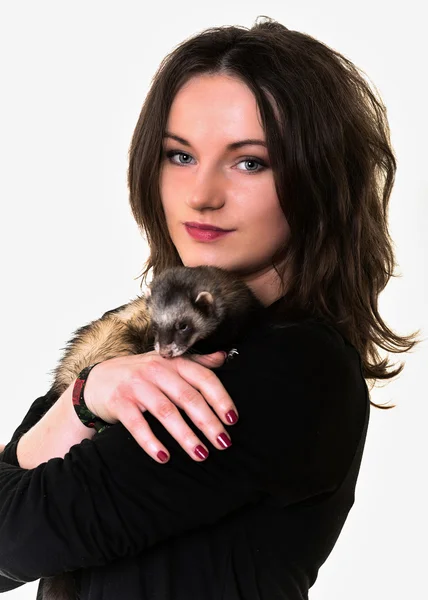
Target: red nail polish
[224, 440]
[232, 417]
[201, 452]
[162, 456]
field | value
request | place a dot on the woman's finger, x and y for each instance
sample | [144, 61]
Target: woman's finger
[166, 382]
[149, 397]
[186, 395]
[209, 360]
[132, 418]
[209, 386]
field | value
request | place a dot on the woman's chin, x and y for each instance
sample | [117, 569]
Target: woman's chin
[197, 261]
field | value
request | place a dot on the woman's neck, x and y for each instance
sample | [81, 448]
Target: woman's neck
[266, 286]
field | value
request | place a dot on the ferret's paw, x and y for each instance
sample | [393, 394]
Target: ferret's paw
[231, 354]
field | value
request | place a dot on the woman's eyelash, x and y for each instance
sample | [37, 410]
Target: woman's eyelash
[261, 163]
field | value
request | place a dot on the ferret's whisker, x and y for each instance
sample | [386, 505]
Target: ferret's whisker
[194, 351]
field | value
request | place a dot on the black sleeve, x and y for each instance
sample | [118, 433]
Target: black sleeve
[301, 398]
[36, 411]
[8, 455]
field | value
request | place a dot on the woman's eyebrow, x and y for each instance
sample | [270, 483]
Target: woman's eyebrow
[232, 146]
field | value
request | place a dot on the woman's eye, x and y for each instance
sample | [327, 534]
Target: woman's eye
[251, 161]
[254, 162]
[172, 153]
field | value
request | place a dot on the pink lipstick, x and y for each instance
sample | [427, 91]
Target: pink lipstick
[205, 232]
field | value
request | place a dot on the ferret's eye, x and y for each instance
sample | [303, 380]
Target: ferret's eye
[183, 326]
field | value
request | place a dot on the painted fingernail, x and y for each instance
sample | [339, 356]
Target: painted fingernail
[232, 417]
[224, 440]
[162, 456]
[201, 452]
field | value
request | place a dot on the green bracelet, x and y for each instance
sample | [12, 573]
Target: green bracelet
[85, 415]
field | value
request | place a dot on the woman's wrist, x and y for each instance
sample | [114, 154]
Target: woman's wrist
[86, 416]
[53, 436]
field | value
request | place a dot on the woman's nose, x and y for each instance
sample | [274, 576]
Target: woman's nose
[208, 192]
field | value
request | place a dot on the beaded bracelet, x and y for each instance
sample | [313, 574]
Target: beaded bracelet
[85, 415]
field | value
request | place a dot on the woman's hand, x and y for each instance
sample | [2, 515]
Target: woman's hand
[122, 388]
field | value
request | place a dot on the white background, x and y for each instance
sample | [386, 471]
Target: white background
[73, 78]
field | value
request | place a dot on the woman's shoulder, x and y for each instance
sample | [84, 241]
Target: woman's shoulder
[307, 355]
[305, 334]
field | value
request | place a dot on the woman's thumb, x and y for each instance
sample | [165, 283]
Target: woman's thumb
[216, 359]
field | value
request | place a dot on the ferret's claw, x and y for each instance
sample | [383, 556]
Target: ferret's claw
[232, 353]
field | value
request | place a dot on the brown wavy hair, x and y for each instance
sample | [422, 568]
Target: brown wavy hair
[329, 145]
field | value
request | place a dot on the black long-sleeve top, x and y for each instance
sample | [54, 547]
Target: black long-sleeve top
[252, 522]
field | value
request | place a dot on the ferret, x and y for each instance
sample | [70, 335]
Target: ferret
[185, 309]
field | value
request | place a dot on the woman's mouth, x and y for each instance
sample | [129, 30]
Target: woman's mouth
[205, 235]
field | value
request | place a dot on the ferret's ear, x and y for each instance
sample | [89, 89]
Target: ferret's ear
[205, 301]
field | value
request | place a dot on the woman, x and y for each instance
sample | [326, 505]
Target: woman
[276, 139]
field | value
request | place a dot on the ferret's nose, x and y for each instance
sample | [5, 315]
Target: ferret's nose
[166, 352]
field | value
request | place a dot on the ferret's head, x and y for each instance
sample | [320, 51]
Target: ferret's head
[180, 318]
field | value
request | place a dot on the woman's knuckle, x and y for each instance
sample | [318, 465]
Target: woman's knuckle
[207, 376]
[190, 439]
[199, 423]
[123, 393]
[135, 379]
[212, 424]
[165, 409]
[153, 366]
[189, 396]
[141, 437]
[136, 423]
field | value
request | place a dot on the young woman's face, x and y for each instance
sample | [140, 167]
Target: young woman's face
[204, 181]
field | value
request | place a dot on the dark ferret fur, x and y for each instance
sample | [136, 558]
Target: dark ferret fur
[198, 309]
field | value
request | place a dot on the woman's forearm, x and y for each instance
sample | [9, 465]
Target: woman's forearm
[55, 433]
